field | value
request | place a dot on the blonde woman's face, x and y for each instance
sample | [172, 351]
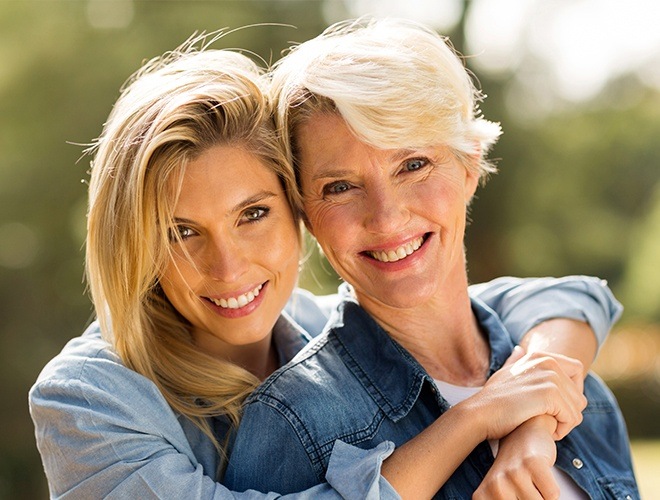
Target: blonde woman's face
[237, 263]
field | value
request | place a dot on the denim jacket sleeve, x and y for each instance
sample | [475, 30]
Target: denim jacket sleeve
[256, 461]
[523, 303]
[104, 431]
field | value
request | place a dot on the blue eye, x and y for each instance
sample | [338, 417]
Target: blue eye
[255, 214]
[336, 187]
[414, 164]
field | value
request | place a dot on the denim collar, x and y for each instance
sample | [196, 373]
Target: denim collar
[289, 337]
[388, 371]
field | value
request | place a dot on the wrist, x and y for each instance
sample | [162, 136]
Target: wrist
[545, 423]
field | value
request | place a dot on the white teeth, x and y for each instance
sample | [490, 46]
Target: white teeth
[399, 253]
[240, 301]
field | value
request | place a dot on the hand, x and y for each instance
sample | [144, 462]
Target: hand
[523, 465]
[529, 385]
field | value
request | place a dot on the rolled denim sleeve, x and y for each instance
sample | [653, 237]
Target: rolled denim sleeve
[523, 303]
[355, 473]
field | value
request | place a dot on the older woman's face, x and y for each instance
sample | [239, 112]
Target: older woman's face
[391, 222]
[237, 263]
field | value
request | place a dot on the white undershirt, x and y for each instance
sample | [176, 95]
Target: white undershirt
[454, 394]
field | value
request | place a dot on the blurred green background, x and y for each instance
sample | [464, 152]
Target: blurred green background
[575, 84]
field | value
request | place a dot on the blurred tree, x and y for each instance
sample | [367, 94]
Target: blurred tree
[571, 191]
[575, 193]
[641, 285]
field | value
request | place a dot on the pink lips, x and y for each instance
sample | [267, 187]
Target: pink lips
[398, 256]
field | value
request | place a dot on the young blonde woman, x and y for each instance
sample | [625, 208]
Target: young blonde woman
[192, 255]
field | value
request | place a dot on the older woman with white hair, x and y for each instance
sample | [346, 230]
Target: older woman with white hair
[389, 148]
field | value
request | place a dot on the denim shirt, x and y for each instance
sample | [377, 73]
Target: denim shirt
[105, 431]
[355, 385]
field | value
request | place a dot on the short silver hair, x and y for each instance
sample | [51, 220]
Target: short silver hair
[396, 83]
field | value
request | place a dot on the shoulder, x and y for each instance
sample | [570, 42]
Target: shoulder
[297, 380]
[311, 311]
[88, 375]
[317, 395]
[80, 356]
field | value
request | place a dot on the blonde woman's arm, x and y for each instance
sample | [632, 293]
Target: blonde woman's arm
[104, 431]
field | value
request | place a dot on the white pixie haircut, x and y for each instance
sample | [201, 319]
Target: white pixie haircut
[396, 83]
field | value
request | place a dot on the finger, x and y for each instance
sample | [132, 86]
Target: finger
[517, 353]
[546, 484]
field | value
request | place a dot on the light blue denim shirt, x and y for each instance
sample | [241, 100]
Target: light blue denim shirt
[103, 430]
[354, 385]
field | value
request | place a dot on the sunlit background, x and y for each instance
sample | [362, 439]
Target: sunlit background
[575, 84]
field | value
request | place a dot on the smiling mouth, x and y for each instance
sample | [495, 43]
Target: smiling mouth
[398, 253]
[239, 301]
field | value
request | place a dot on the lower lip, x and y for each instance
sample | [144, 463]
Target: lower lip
[404, 263]
[240, 312]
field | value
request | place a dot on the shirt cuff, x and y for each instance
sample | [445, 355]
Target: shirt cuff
[355, 473]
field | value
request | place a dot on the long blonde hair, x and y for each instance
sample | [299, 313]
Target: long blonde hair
[169, 112]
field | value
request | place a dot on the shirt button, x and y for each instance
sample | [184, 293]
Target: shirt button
[628, 497]
[577, 463]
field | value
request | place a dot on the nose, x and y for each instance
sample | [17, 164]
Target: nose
[225, 260]
[385, 210]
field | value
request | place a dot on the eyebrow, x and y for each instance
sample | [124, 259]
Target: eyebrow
[401, 154]
[331, 174]
[256, 198]
[326, 171]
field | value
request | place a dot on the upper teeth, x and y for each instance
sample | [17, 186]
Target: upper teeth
[398, 253]
[236, 302]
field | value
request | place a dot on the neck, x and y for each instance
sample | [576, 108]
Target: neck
[442, 334]
[259, 358]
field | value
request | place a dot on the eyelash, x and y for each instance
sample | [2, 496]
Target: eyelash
[329, 189]
[260, 212]
[174, 237]
[424, 163]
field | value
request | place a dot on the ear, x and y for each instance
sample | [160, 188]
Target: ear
[471, 183]
[472, 173]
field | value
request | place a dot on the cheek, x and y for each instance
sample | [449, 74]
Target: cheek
[175, 284]
[330, 223]
[444, 199]
[282, 249]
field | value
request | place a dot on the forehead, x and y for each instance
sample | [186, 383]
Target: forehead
[223, 176]
[325, 146]
[324, 139]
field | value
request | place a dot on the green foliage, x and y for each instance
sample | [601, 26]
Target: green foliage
[572, 192]
[576, 194]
